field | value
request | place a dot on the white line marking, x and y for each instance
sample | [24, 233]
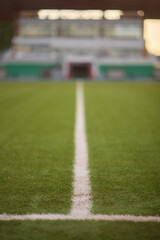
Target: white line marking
[81, 201]
[97, 217]
[82, 192]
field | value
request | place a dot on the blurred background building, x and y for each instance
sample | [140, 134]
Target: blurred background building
[78, 44]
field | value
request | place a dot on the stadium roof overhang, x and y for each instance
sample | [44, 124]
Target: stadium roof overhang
[9, 9]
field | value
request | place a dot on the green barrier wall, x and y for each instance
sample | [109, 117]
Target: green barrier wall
[42, 70]
[35, 70]
[130, 71]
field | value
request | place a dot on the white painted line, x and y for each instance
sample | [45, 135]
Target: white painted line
[81, 201]
[97, 217]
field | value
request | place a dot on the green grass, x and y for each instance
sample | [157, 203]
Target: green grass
[78, 230]
[123, 130]
[37, 152]
[36, 147]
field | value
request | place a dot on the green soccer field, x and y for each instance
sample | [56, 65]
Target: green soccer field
[79, 230]
[123, 129]
[37, 149]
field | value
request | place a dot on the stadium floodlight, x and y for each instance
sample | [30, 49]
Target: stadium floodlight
[48, 14]
[70, 14]
[113, 14]
[91, 14]
[140, 13]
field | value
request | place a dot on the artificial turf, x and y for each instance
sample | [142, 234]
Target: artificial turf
[36, 147]
[123, 131]
[79, 230]
[37, 153]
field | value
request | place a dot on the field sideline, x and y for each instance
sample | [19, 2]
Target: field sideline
[123, 168]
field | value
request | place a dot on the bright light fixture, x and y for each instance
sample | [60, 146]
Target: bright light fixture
[70, 14]
[113, 14]
[140, 13]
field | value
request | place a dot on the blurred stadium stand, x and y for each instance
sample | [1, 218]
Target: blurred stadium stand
[97, 49]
